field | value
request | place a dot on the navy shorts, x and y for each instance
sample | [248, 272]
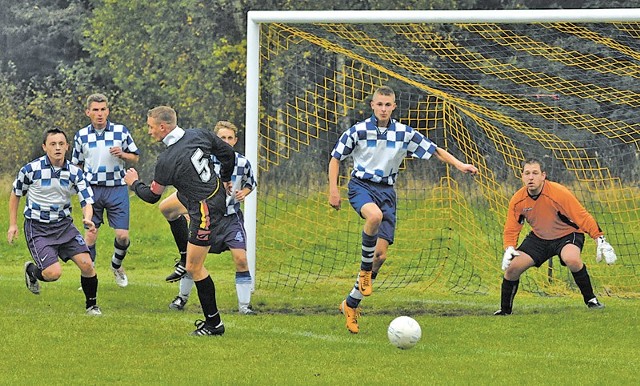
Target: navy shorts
[49, 241]
[362, 192]
[203, 215]
[113, 199]
[542, 250]
[229, 233]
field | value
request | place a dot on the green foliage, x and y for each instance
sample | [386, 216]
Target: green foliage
[188, 54]
[40, 35]
[12, 145]
[59, 100]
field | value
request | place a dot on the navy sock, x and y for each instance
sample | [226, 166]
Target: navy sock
[119, 252]
[368, 248]
[352, 302]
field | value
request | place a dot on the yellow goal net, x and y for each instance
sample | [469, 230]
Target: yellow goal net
[492, 92]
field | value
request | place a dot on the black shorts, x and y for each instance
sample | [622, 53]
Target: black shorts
[203, 215]
[542, 250]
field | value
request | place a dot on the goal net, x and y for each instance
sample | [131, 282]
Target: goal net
[492, 88]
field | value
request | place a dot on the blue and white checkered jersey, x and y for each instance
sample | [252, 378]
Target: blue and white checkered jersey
[241, 178]
[91, 147]
[49, 191]
[377, 154]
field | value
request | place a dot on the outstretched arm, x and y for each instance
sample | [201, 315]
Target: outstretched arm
[447, 157]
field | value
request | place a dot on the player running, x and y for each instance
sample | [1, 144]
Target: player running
[377, 145]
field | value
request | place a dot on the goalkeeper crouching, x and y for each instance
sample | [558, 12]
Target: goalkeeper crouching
[558, 224]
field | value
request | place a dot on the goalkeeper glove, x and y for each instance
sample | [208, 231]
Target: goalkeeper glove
[605, 250]
[509, 254]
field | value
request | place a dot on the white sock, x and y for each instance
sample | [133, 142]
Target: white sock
[186, 285]
[244, 293]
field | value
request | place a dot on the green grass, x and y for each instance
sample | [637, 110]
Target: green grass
[299, 336]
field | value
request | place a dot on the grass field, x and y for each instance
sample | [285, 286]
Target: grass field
[299, 336]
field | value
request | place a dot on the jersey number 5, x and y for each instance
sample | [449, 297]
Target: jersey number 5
[201, 164]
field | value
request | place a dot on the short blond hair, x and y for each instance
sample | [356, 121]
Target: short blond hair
[385, 90]
[225, 125]
[163, 114]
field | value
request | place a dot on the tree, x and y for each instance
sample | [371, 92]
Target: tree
[189, 54]
[38, 35]
[12, 144]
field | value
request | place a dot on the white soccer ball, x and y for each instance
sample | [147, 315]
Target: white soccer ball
[404, 332]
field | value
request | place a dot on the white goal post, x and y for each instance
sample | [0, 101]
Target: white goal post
[256, 18]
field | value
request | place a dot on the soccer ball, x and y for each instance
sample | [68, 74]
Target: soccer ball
[404, 332]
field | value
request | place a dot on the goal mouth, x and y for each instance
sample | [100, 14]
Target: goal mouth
[492, 88]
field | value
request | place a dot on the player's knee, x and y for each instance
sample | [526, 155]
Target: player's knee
[193, 268]
[573, 263]
[167, 212]
[514, 271]
[87, 269]
[122, 236]
[52, 273]
[241, 265]
[375, 217]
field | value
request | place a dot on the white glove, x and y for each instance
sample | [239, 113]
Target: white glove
[509, 254]
[605, 250]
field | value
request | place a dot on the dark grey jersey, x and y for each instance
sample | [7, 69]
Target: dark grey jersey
[187, 164]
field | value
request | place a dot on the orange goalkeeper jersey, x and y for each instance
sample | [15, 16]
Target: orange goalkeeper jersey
[554, 214]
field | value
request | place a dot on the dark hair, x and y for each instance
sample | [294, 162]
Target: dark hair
[53, 131]
[530, 161]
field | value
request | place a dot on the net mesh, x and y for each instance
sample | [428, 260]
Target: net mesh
[490, 94]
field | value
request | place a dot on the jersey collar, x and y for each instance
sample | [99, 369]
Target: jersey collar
[173, 136]
[106, 128]
[48, 163]
[373, 125]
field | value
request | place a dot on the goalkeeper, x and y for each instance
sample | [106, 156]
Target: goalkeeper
[378, 145]
[558, 222]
